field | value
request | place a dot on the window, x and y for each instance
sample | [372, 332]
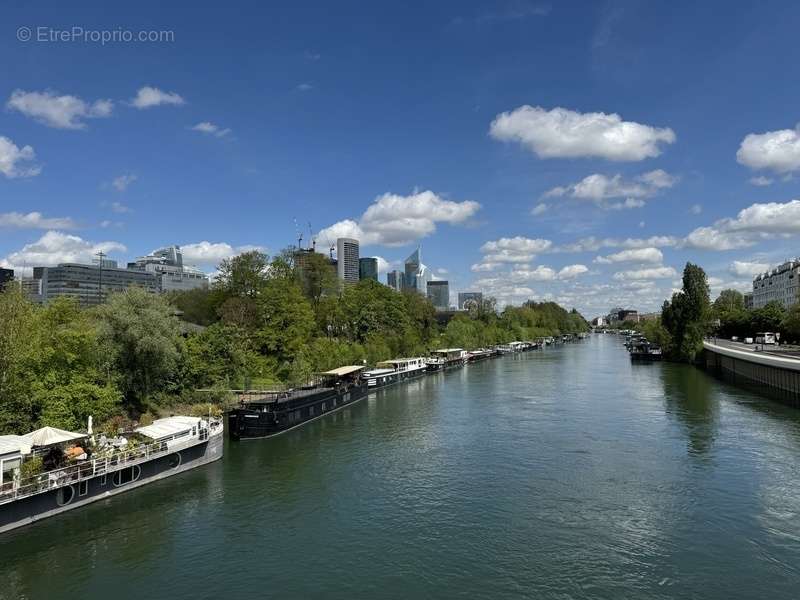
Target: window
[83, 488]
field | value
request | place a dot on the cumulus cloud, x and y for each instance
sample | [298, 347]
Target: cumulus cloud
[394, 220]
[61, 112]
[751, 224]
[11, 157]
[777, 151]
[211, 129]
[122, 182]
[514, 250]
[563, 133]
[599, 188]
[593, 244]
[148, 97]
[648, 273]
[212, 253]
[572, 271]
[639, 255]
[55, 247]
[760, 181]
[741, 268]
[539, 209]
[34, 220]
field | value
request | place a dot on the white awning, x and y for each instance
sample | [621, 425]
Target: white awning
[343, 370]
[12, 444]
[167, 427]
[47, 436]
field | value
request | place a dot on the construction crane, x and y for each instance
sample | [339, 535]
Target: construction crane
[299, 235]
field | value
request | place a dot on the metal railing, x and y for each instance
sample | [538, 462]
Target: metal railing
[87, 469]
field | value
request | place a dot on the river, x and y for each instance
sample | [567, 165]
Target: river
[562, 473]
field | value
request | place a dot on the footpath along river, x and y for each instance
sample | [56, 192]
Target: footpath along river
[562, 473]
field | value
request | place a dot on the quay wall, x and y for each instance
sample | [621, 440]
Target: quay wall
[768, 374]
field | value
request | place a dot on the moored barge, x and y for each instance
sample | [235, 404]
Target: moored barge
[50, 471]
[274, 412]
[446, 358]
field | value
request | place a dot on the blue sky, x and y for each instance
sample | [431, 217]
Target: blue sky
[576, 151]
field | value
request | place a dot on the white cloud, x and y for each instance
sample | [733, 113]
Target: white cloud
[55, 247]
[11, 156]
[514, 250]
[648, 273]
[593, 244]
[760, 181]
[741, 268]
[540, 273]
[778, 151]
[61, 112]
[563, 133]
[483, 267]
[539, 209]
[696, 209]
[393, 220]
[122, 182]
[211, 129]
[148, 97]
[34, 220]
[751, 224]
[599, 188]
[572, 271]
[639, 255]
[304, 87]
[120, 208]
[212, 253]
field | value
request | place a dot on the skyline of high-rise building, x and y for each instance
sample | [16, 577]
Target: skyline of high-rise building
[465, 297]
[368, 268]
[396, 280]
[347, 266]
[438, 292]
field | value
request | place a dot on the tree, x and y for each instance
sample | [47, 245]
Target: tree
[243, 275]
[686, 317]
[143, 344]
[767, 318]
[791, 323]
[728, 301]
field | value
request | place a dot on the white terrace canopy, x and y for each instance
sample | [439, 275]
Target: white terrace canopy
[47, 436]
[168, 427]
[342, 371]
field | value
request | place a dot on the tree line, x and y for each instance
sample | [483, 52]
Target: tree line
[263, 321]
[689, 316]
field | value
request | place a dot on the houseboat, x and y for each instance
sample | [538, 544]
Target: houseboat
[481, 354]
[50, 471]
[446, 358]
[273, 412]
[392, 371]
[644, 351]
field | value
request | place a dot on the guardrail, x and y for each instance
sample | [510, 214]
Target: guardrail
[51, 480]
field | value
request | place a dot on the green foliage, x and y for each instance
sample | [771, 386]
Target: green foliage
[263, 322]
[30, 467]
[141, 339]
[69, 406]
[686, 317]
[790, 326]
[767, 318]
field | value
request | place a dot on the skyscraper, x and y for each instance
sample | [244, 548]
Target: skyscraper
[465, 299]
[411, 267]
[396, 280]
[439, 294]
[347, 267]
[368, 268]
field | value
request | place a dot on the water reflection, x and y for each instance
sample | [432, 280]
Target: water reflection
[691, 397]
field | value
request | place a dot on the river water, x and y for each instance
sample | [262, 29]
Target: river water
[562, 473]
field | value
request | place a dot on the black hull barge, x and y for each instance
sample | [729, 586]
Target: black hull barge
[169, 446]
[274, 412]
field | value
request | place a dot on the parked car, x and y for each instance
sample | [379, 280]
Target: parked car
[735, 338]
[748, 340]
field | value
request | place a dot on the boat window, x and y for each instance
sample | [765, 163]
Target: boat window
[9, 468]
[103, 479]
[65, 495]
[83, 488]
